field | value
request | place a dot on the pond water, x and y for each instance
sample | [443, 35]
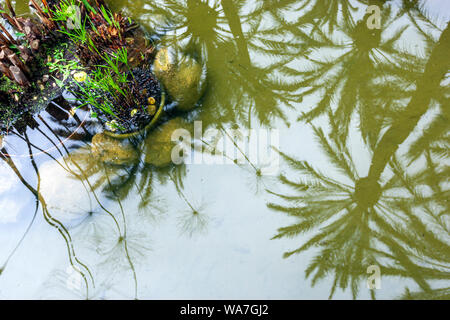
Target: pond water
[331, 165]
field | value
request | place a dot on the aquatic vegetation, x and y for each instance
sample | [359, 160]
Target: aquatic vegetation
[116, 93]
[57, 62]
[112, 52]
[193, 222]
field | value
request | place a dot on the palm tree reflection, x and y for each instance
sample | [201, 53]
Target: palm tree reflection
[396, 217]
[357, 223]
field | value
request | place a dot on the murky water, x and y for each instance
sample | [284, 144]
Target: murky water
[358, 109]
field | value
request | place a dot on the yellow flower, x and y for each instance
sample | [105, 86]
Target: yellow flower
[151, 100]
[151, 109]
[133, 112]
[80, 76]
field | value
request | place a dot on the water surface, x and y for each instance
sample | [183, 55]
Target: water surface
[362, 182]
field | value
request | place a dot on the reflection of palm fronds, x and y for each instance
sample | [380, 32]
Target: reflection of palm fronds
[359, 223]
[420, 19]
[435, 136]
[125, 178]
[224, 35]
[361, 64]
[437, 294]
[332, 15]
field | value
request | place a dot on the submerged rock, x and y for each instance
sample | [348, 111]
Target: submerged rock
[113, 151]
[182, 78]
[158, 145]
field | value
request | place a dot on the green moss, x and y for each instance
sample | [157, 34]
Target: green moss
[7, 85]
[7, 116]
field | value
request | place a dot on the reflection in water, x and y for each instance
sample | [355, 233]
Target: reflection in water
[392, 218]
[366, 223]
[357, 68]
[238, 87]
[299, 63]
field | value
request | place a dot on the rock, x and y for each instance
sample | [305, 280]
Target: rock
[158, 145]
[182, 78]
[113, 151]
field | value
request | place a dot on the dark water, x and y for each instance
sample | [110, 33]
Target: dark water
[358, 111]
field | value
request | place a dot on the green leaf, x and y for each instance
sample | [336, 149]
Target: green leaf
[88, 6]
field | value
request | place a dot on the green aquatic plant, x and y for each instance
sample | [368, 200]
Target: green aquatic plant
[65, 13]
[193, 221]
[98, 37]
[107, 86]
[57, 63]
[7, 85]
[77, 35]
[92, 98]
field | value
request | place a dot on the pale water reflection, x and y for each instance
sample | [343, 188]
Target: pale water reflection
[362, 116]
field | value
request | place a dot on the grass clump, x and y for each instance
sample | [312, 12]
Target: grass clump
[107, 82]
[84, 47]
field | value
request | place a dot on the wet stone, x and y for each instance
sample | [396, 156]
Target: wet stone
[159, 145]
[182, 78]
[113, 151]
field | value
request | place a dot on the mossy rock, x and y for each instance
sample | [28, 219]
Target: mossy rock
[159, 144]
[182, 78]
[112, 151]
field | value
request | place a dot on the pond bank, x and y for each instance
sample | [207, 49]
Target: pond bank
[104, 63]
